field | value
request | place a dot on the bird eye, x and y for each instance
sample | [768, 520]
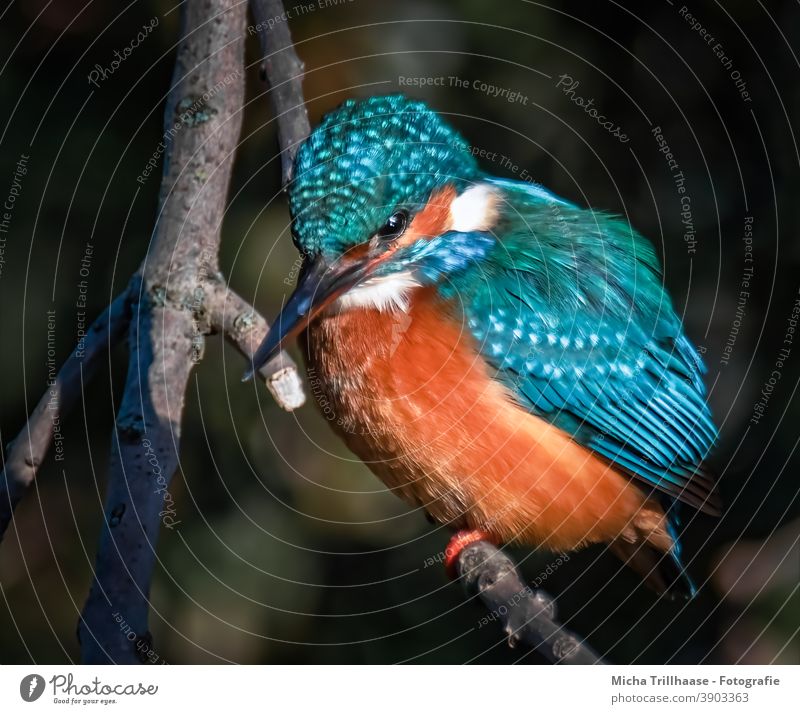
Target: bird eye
[394, 226]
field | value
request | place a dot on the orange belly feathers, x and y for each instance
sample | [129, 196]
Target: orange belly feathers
[415, 401]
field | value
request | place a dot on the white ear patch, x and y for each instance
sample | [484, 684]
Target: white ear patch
[389, 292]
[474, 210]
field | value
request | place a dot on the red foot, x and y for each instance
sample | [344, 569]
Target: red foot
[457, 543]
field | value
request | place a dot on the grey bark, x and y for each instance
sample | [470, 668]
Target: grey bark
[167, 331]
[528, 616]
[282, 70]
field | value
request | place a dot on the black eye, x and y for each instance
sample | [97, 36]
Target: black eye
[394, 227]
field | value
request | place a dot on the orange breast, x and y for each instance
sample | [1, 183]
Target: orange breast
[411, 396]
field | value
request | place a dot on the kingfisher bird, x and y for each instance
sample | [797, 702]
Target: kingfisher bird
[498, 356]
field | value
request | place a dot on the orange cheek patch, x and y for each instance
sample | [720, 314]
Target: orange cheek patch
[433, 219]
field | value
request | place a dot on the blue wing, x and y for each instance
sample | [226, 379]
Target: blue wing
[569, 308]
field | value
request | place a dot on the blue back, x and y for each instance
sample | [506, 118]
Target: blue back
[569, 308]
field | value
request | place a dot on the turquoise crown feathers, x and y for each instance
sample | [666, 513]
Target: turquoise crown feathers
[367, 158]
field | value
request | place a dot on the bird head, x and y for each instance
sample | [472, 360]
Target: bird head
[386, 197]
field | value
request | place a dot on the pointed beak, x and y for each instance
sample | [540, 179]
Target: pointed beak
[317, 287]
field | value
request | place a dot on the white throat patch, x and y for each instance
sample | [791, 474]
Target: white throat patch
[386, 293]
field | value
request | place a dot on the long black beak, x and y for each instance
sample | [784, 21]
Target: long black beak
[317, 287]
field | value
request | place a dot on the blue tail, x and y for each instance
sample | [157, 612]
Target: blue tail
[678, 582]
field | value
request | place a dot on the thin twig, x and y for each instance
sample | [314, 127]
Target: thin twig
[28, 450]
[283, 72]
[244, 328]
[528, 615]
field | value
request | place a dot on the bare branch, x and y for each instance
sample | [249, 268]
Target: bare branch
[244, 328]
[203, 118]
[283, 71]
[28, 450]
[528, 616]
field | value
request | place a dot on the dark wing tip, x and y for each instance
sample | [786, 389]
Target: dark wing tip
[707, 498]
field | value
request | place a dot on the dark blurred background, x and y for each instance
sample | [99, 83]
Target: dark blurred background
[288, 550]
